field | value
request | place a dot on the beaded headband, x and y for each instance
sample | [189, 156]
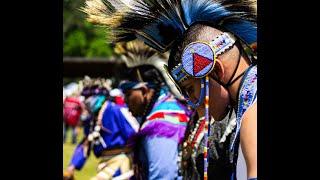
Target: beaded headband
[198, 58]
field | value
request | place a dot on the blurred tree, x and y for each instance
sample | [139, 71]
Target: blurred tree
[81, 38]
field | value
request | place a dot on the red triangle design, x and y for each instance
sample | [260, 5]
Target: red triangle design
[199, 62]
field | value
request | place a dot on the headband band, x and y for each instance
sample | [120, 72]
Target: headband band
[198, 58]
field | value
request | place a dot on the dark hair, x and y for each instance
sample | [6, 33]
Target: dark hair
[94, 90]
[146, 73]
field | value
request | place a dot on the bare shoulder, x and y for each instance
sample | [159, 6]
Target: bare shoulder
[250, 114]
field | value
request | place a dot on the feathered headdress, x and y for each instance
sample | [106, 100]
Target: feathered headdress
[135, 53]
[160, 23]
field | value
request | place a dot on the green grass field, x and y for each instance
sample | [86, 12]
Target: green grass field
[89, 169]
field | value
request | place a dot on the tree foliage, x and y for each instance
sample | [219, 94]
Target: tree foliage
[81, 38]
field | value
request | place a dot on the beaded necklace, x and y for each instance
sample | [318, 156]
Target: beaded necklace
[194, 137]
[191, 145]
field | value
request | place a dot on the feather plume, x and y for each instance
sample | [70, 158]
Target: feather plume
[160, 23]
